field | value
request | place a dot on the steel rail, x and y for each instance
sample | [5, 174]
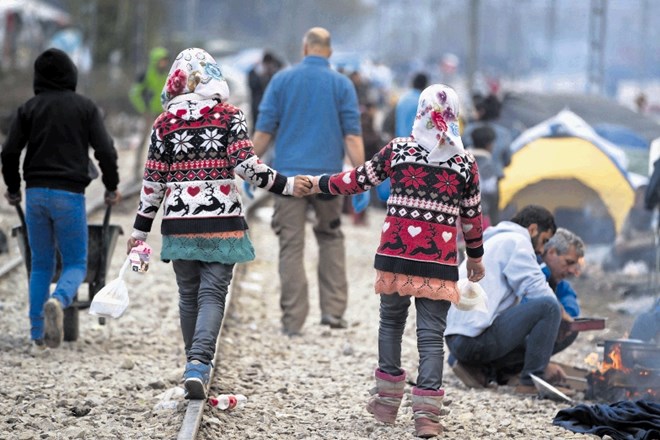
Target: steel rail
[192, 420]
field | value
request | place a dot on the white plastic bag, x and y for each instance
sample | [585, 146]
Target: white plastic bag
[473, 296]
[112, 300]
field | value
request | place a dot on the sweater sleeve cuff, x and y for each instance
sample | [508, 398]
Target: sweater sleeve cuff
[279, 185]
[324, 184]
[139, 235]
[143, 223]
[288, 188]
[475, 253]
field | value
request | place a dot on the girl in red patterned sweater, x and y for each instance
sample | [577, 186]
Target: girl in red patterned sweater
[434, 187]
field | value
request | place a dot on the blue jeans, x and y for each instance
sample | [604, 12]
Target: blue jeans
[431, 324]
[56, 221]
[523, 334]
[203, 288]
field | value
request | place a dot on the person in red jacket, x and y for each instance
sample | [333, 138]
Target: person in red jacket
[434, 189]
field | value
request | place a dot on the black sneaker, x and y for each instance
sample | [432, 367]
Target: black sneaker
[334, 321]
[53, 323]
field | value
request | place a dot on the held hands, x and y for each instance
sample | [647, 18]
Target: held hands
[305, 186]
[475, 269]
[13, 199]
[315, 185]
[301, 186]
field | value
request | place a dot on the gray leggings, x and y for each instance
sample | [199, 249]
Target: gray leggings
[203, 288]
[431, 323]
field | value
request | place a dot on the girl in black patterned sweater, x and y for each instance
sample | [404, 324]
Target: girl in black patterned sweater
[198, 144]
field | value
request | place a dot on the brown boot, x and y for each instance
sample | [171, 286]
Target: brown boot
[389, 392]
[427, 405]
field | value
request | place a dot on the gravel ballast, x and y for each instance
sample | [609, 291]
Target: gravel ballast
[121, 380]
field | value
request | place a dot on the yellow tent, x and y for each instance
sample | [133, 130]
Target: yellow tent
[574, 177]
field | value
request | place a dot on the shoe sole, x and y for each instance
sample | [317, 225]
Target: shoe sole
[195, 389]
[387, 419]
[335, 325]
[39, 352]
[53, 324]
[467, 379]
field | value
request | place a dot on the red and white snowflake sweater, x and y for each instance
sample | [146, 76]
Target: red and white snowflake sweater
[418, 238]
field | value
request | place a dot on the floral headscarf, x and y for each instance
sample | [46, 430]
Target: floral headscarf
[196, 74]
[436, 124]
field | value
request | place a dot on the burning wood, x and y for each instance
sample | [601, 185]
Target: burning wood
[623, 375]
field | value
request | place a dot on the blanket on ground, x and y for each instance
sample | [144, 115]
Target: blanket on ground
[624, 420]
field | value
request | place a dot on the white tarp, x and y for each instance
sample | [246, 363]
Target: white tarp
[35, 9]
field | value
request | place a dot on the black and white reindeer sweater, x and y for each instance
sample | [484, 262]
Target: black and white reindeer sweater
[195, 152]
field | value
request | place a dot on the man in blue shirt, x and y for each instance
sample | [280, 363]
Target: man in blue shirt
[312, 113]
[561, 260]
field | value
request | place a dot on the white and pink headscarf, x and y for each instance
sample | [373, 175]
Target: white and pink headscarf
[436, 126]
[194, 76]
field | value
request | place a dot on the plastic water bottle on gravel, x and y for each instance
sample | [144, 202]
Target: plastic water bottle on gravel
[227, 401]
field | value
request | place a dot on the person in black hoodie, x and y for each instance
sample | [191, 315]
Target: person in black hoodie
[57, 125]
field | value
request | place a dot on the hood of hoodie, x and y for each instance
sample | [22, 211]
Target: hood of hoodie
[194, 85]
[503, 227]
[54, 70]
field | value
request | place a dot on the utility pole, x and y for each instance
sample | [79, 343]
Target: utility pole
[597, 33]
[192, 17]
[644, 41]
[473, 39]
[551, 36]
[140, 41]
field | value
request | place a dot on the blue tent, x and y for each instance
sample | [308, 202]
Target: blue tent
[621, 135]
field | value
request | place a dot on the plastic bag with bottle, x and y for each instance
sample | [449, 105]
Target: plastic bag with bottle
[112, 300]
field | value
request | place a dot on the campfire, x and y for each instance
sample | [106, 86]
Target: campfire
[630, 370]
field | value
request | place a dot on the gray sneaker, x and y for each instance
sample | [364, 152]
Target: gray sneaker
[334, 321]
[53, 323]
[38, 349]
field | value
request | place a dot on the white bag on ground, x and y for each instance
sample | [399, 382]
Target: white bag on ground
[473, 296]
[112, 300]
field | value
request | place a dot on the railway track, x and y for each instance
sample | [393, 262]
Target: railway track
[195, 410]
